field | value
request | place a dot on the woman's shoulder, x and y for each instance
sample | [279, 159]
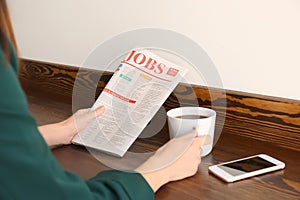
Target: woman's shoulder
[11, 60]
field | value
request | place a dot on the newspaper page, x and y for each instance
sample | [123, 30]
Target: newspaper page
[136, 91]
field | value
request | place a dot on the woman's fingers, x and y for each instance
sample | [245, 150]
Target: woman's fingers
[84, 116]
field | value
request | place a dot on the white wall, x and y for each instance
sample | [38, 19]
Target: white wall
[255, 44]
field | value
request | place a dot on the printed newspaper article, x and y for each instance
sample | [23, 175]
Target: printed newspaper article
[136, 91]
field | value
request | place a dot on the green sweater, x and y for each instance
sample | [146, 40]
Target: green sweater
[28, 170]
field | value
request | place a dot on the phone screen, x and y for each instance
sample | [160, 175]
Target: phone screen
[246, 165]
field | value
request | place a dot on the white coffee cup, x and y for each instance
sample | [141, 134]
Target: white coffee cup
[184, 120]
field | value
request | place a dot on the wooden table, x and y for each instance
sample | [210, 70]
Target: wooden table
[284, 184]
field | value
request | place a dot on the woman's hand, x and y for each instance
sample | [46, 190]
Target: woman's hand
[184, 166]
[64, 131]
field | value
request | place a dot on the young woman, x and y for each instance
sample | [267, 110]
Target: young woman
[29, 171]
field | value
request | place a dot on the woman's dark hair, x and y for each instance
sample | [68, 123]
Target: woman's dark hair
[6, 31]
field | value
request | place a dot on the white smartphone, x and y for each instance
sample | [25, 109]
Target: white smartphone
[246, 167]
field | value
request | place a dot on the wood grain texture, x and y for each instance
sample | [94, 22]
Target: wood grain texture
[281, 185]
[267, 119]
[254, 124]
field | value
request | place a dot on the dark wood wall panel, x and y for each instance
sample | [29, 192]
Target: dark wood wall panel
[277, 119]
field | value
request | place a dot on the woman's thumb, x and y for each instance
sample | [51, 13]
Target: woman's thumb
[202, 140]
[99, 111]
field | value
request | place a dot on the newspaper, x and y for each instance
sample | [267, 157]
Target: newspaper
[136, 91]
